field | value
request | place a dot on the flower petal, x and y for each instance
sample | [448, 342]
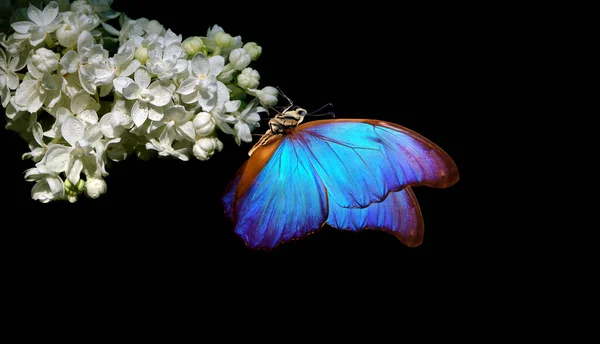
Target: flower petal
[84, 41]
[22, 27]
[139, 113]
[121, 82]
[70, 61]
[50, 13]
[142, 77]
[132, 91]
[187, 131]
[188, 86]
[73, 170]
[72, 130]
[155, 113]
[200, 64]
[57, 157]
[160, 95]
[35, 15]
[80, 101]
[217, 63]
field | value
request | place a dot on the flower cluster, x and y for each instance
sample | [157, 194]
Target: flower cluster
[83, 93]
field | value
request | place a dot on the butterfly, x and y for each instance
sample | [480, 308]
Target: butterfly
[350, 174]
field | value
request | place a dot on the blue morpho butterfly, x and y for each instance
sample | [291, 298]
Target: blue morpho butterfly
[351, 174]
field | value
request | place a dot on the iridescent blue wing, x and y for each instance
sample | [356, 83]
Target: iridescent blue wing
[361, 161]
[398, 214]
[276, 197]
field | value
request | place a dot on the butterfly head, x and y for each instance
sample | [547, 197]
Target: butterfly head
[295, 114]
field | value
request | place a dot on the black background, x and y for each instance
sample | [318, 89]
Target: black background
[402, 64]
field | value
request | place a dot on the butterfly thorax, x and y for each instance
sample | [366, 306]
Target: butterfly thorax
[280, 125]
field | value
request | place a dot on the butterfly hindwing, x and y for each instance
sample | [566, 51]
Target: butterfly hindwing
[398, 214]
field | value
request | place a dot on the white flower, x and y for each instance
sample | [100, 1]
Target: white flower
[267, 96]
[100, 7]
[205, 147]
[178, 123]
[74, 24]
[8, 78]
[116, 122]
[253, 49]
[123, 64]
[80, 155]
[42, 61]
[48, 187]
[166, 62]
[164, 147]
[94, 187]
[149, 97]
[83, 106]
[247, 121]
[193, 45]
[41, 24]
[239, 58]
[220, 41]
[32, 93]
[248, 78]
[204, 124]
[91, 61]
[202, 85]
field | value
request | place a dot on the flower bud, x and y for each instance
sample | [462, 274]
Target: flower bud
[253, 49]
[223, 40]
[67, 35]
[45, 60]
[239, 58]
[203, 124]
[94, 187]
[268, 96]
[141, 54]
[193, 45]
[248, 78]
[205, 147]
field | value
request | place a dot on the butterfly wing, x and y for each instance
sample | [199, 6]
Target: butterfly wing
[399, 214]
[327, 171]
[362, 161]
[276, 196]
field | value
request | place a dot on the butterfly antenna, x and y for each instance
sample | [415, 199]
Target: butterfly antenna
[287, 98]
[317, 114]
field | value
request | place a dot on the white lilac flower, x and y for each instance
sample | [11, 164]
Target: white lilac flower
[83, 106]
[42, 61]
[149, 97]
[204, 124]
[248, 78]
[178, 122]
[94, 187]
[115, 123]
[48, 185]
[267, 96]
[90, 61]
[220, 41]
[166, 62]
[8, 78]
[80, 155]
[74, 24]
[253, 49]
[193, 45]
[205, 147]
[123, 64]
[247, 121]
[202, 85]
[32, 93]
[41, 23]
[164, 147]
[239, 58]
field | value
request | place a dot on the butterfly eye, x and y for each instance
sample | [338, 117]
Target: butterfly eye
[301, 112]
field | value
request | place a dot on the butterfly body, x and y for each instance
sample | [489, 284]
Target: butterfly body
[351, 174]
